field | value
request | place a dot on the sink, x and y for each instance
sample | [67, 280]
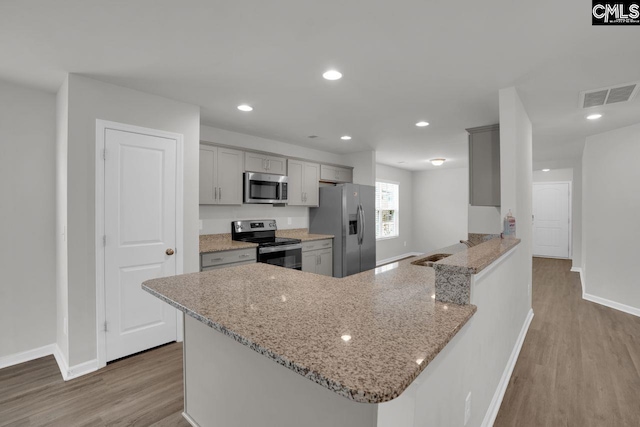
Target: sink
[428, 261]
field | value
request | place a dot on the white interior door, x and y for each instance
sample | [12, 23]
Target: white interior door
[551, 219]
[140, 229]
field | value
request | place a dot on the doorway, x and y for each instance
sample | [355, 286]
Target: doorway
[552, 219]
[138, 234]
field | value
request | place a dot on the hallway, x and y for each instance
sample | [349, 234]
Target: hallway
[580, 363]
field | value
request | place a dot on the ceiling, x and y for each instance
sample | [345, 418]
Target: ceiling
[403, 61]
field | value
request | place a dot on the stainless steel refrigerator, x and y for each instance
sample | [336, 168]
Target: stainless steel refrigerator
[348, 212]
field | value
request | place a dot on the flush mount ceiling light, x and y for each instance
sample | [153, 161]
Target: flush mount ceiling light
[594, 116]
[546, 170]
[437, 162]
[245, 108]
[422, 124]
[332, 75]
[345, 137]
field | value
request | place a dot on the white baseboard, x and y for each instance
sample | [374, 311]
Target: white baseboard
[612, 304]
[579, 270]
[396, 258]
[190, 420]
[69, 373]
[494, 407]
[26, 356]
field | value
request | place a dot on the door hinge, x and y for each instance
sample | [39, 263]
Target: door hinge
[105, 326]
[104, 240]
[104, 154]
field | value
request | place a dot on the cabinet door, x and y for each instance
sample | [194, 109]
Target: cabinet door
[208, 160]
[311, 189]
[484, 166]
[309, 261]
[229, 176]
[296, 187]
[325, 266]
[328, 173]
[255, 162]
[345, 175]
[276, 165]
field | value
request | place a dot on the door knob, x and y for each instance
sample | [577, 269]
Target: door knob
[169, 251]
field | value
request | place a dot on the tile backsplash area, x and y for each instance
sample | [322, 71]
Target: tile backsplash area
[217, 219]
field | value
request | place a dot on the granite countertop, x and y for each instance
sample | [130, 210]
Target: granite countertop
[303, 321]
[223, 242]
[477, 258]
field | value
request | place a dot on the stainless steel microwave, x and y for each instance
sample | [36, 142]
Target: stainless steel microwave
[265, 188]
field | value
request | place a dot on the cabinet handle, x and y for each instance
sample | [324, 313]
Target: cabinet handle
[215, 193]
[244, 256]
[268, 165]
[317, 260]
[220, 192]
[311, 246]
[326, 244]
[217, 259]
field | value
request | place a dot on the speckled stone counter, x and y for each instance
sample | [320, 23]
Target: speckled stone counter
[302, 234]
[453, 274]
[221, 242]
[365, 337]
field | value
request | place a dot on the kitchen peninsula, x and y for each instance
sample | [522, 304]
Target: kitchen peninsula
[342, 347]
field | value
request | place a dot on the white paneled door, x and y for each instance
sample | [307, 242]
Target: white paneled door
[551, 219]
[140, 239]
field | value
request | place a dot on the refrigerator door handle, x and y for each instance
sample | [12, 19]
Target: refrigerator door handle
[363, 225]
[360, 224]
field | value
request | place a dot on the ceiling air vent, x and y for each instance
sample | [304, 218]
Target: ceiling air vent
[608, 95]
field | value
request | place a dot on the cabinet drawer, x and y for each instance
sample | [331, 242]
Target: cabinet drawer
[235, 264]
[317, 244]
[227, 257]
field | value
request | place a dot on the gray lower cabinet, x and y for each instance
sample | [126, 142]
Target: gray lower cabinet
[220, 259]
[317, 257]
[484, 166]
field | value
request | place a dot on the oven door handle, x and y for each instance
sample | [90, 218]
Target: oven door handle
[281, 248]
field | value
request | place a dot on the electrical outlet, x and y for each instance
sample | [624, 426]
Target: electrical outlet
[405, 244]
[289, 220]
[467, 408]
[201, 223]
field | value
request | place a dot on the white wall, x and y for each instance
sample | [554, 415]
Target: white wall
[364, 167]
[554, 175]
[90, 100]
[390, 248]
[516, 175]
[217, 219]
[27, 225]
[485, 219]
[440, 201]
[611, 208]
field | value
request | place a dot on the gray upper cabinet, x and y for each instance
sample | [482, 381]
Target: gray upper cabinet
[220, 176]
[264, 163]
[303, 183]
[484, 166]
[335, 174]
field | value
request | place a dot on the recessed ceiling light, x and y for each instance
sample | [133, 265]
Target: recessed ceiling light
[245, 107]
[546, 170]
[422, 124]
[437, 162]
[346, 338]
[332, 75]
[345, 137]
[594, 116]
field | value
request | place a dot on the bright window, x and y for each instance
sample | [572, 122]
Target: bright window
[387, 206]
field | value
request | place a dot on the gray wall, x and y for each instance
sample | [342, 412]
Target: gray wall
[440, 202]
[389, 248]
[90, 100]
[611, 204]
[27, 227]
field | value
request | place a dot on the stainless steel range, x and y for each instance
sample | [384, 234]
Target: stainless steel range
[280, 251]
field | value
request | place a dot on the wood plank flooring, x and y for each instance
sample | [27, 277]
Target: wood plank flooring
[141, 390]
[579, 366]
[580, 363]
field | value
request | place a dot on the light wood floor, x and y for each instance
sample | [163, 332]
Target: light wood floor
[580, 363]
[141, 390]
[579, 366]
